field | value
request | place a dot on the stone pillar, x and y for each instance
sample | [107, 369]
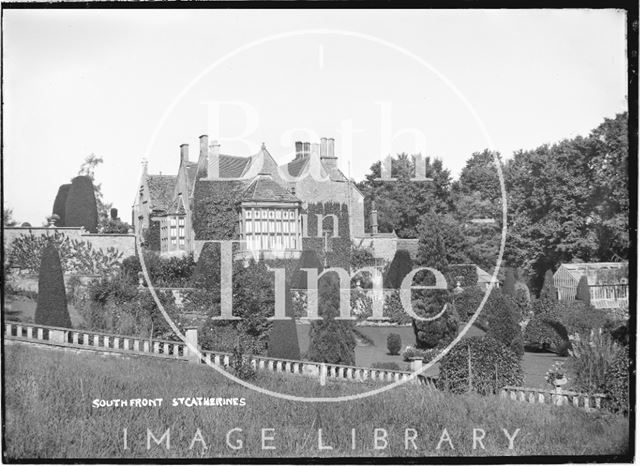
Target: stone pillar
[191, 338]
[323, 374]
[56, 336]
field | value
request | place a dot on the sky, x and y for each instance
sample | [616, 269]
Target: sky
[133, 84]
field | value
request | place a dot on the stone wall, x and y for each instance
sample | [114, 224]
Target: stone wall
[125, 243]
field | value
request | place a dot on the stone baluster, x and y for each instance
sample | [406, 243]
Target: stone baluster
[29, 331]
[125, 344]
[145, 346]
[207, 358]
[216, 359]
[19, 331]
[40, 334]
[96, 338]
[7, 329]
[106, 341]
[156, 347]
[116, 343]
[226, 359]
[74, 337]
[270, 366]
[576, 401]
[136, 345]
[598, 400]
[287, 367]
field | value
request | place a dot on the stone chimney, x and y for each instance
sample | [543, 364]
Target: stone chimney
[374, 218]
[213, 171]
[145, 166]
[184, 153]
[204, 145]
[306, 149]
[323, 147]
[298, 149]
[329, 159]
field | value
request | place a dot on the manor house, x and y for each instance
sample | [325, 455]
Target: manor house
[274, 208]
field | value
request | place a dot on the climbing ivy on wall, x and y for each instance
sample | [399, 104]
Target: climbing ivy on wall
[76, 256]
[339, 252]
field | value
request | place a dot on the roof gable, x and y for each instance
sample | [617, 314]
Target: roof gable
[264, 188]
[161, 189]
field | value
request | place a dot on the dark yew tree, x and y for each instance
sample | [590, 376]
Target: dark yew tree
[283, 338]
[80, 208]
[59, 204]
[583, 293]
[399, 267]
[52, 299]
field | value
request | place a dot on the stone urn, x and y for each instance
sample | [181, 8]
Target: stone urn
[559, 383]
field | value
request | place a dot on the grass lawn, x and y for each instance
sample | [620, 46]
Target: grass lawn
[49, 405]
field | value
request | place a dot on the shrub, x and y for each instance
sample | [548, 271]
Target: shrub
[619, 332]
[80, 208]
[581, 318]
[130, 268]
[399, 267]
[394, 310]
[411, 352]
[52, 299]
[616, 385]
[467, 303]
[582, 293]
[591, 358]
[481, 364]
[390, 366]
[394, 343]
[240, 365]
[206, 274]
[439, 332]
[503, 323]
[59, 204]
[283, 338]
[546, 332]
[331, 341]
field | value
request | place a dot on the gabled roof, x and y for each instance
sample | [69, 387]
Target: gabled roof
[232, 166]
[595, 271]
[176, 207]
[297, 167]
[160, 190]
[264, 188]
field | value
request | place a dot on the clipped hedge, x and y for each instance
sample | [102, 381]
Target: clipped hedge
[617, 383]
[400, 266]
[438, 332]
[503, 322]
[81, 208]
[283, 338]
[480, 364]
[59, 204]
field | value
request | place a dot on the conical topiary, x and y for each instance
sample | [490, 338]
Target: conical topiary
[60, 203]
[283, 338]
[52, 299]
[509, 286]
[583, 293]
[81, 208]
[548, 291]
[400, 266]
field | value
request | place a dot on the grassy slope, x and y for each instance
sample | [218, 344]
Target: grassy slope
[49, 414]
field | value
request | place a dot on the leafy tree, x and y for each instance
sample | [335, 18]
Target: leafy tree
[401, 203]
[331, 341]
[60, 202]
[583, 293]
[7, 217]
[428, 303]
[399, 267]
[52, 299]
[88, 168]
[570, 200]
[80, 208]
[283, 338]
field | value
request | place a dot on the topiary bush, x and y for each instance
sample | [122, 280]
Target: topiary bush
[52, 299]
[399, 267]
[503, 322]
[394, 343]
[394, 310]
[548, 291]
[331, 341]
[59, 204]
[545, 332]
[466, 304]
[435, 333]
[582, 293]
[283, 338]
[492, 366]
[81, 208]
[616, 385]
